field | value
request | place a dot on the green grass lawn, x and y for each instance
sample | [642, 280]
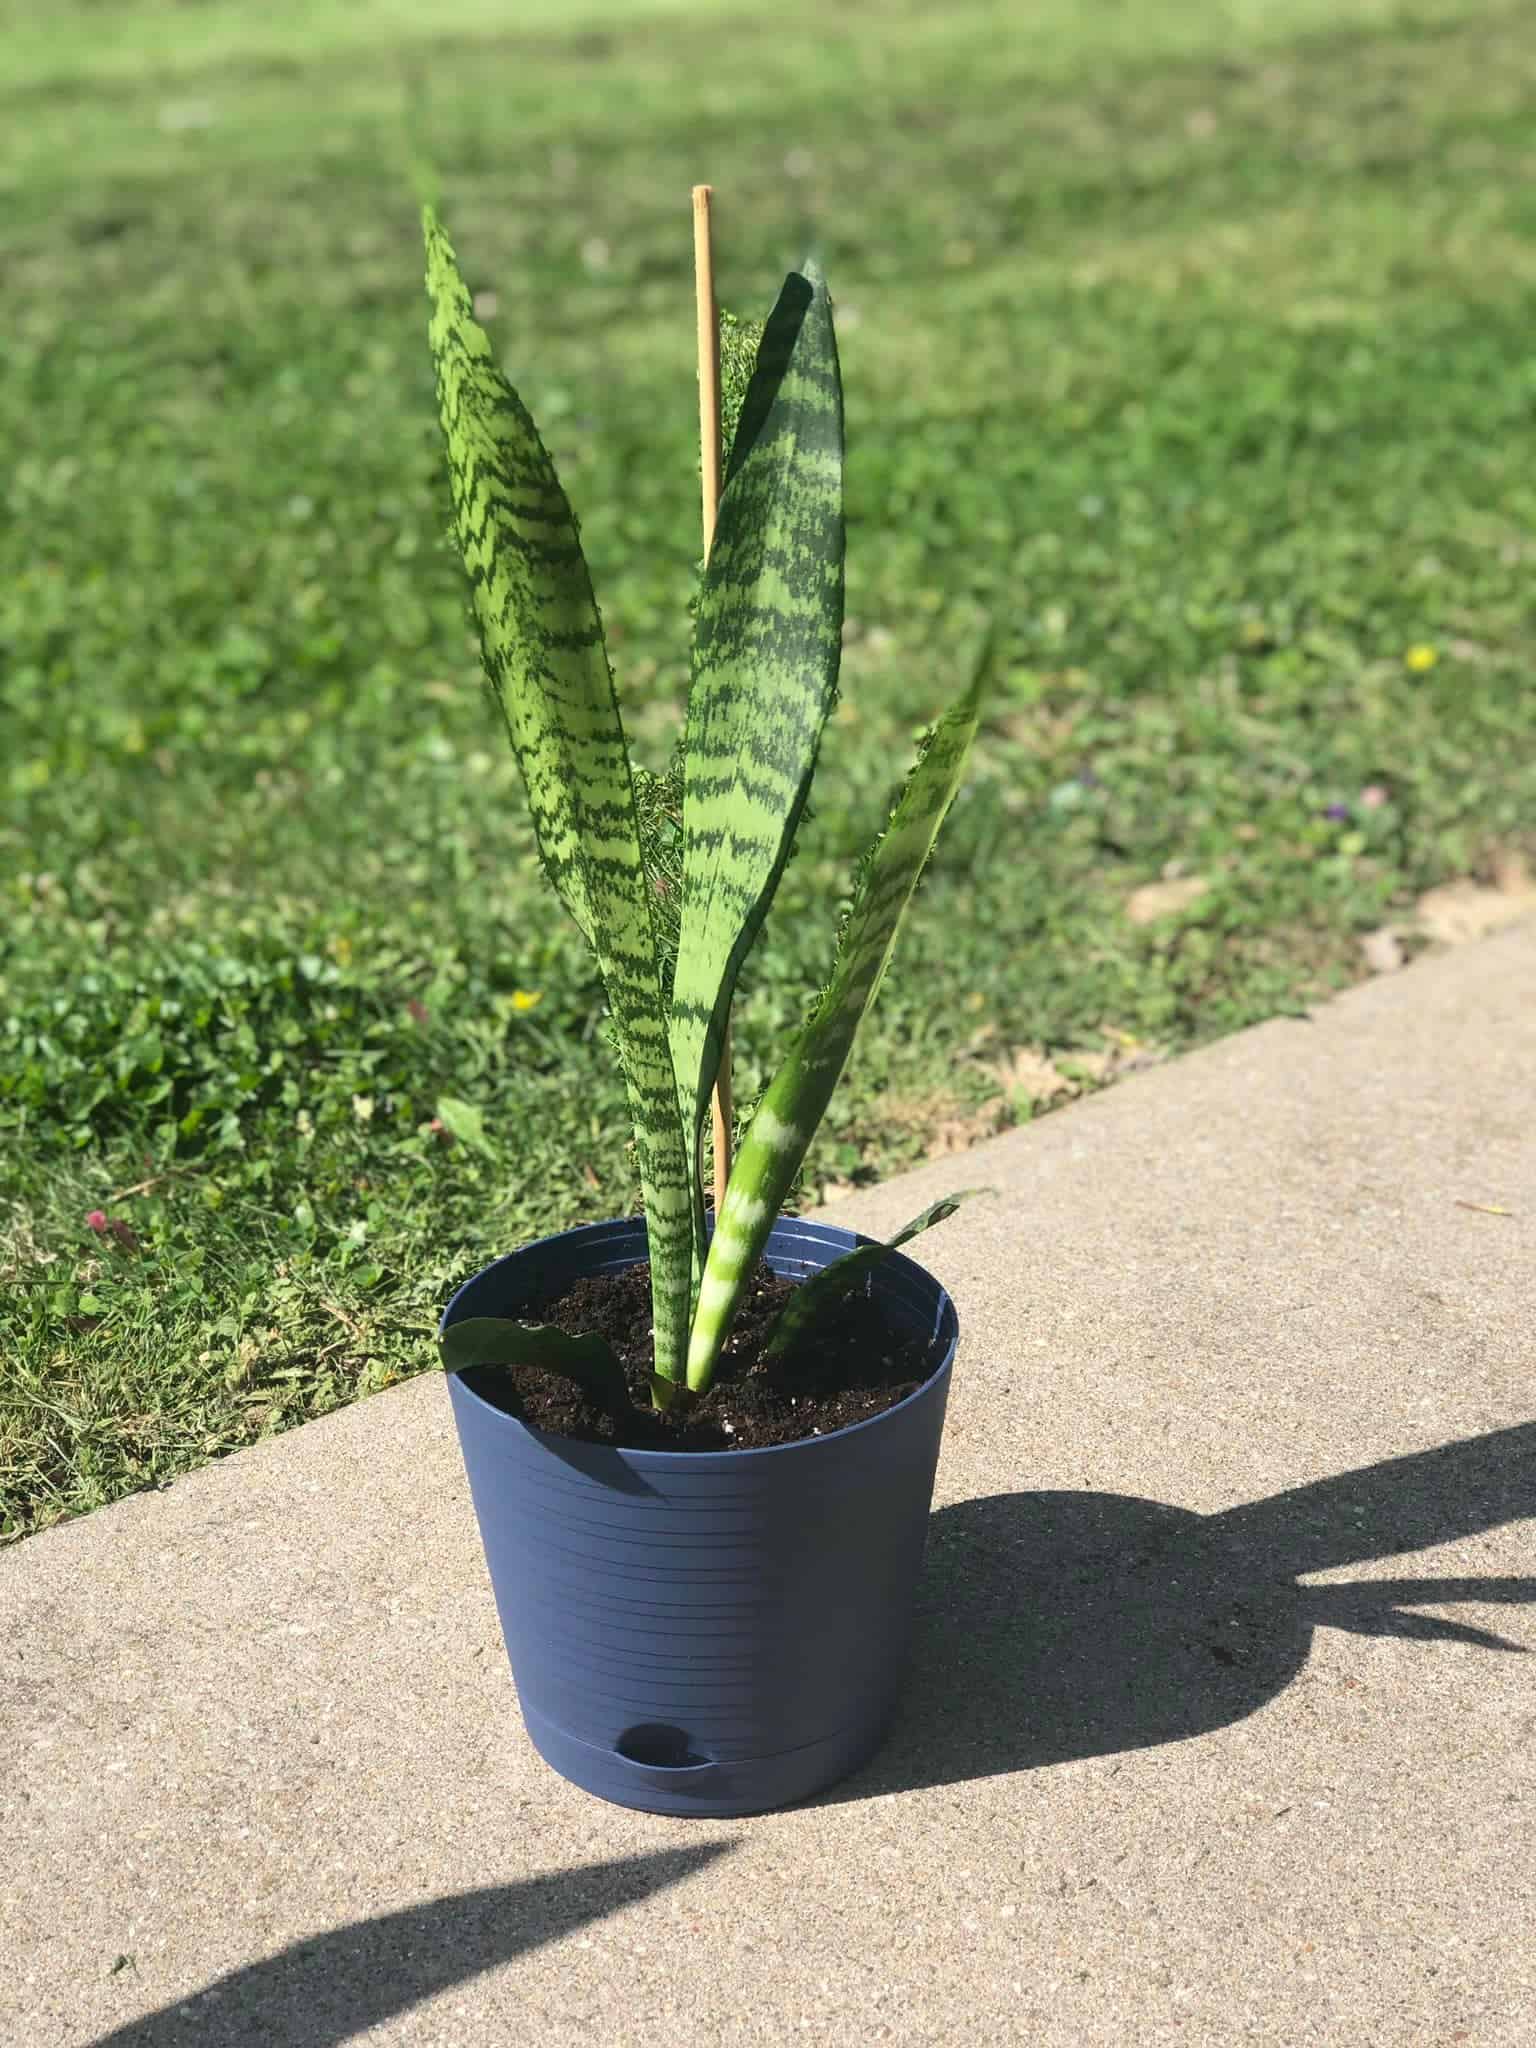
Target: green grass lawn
[1192, 341]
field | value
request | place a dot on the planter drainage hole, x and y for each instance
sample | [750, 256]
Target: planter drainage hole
[659, 1747]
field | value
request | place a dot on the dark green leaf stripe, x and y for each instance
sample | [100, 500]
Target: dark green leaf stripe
[543, 647]
[766, 645]
[796, 1099]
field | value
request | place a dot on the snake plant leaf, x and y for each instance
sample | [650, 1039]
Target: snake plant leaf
[795, 1101]
[545, 659]
[819, 1291]
[740, 341]
[767, 638]
[494, 1340]
[659, 807]
[937, 1212]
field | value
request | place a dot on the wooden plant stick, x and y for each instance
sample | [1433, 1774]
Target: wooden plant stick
[710, 452]
[709, 362]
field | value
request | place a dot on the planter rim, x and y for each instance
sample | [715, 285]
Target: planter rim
[701, 1460]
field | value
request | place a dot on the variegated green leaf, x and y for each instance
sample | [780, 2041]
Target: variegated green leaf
[740, 341]
[542, 642]
[589, 1360]
[819, 1291]
[795, 1101]
[766, 645]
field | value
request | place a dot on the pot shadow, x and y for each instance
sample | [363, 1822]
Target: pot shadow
[1054, 1626]
[332, 1986]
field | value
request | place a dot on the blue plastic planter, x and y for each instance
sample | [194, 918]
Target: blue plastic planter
[709, 1632]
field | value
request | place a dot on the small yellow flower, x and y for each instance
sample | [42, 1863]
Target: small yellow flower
[1421, 657]
[527, 998]
[340, 950]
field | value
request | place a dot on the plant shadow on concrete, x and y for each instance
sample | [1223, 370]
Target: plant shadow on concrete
[1054, 1626]
[333, 1986]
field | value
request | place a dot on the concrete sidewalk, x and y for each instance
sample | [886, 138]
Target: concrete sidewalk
[1220, 1727]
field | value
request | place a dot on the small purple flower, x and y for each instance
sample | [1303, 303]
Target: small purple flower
[1339, 813]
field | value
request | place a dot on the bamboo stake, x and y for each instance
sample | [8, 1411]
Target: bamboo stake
[709, 446]
[709, 361]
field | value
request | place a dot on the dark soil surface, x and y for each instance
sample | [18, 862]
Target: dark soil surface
[854, 1364]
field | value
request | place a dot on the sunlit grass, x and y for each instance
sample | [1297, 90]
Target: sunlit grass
[1191, 342]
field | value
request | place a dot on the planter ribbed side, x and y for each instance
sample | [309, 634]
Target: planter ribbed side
[707, 1632]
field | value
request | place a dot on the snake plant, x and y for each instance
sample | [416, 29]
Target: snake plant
[767, 635]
